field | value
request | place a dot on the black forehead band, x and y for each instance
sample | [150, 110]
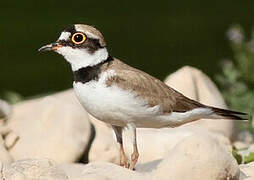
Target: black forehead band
[91, 44]
[71, 29]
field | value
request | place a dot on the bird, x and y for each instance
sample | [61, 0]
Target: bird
[121, 95]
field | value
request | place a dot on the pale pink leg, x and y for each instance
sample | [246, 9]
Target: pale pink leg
[123, 159]
[135, 154]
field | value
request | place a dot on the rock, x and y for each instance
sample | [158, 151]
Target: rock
[75, 172]
[5, 132]
[5, 157]
[240, 145]
[97, 171]
[37, 169]
[106, 171]
[164, 140]
[247, 171]
[148, 166]
[54, 127]
[10, 140]
[196, 85]
[5, 109]
[199, 156]
[245, 137]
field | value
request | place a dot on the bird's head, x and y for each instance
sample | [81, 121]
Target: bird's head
[81, 45]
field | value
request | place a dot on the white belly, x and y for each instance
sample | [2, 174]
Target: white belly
[112, 104]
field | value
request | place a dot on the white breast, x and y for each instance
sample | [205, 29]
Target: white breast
[112, 104]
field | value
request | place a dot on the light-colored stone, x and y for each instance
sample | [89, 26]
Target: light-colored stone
[245, 136]
[109, 171]
[163, 140]
[247, 171]
[199, 156]
[196, 85]
[54, 127]
[240, 145]
[148, 166]
[10, 140]
[75, 172]
[99, 171]
[32, 169]
[5, 157]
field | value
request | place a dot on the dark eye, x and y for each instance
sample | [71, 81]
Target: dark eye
[78, 38]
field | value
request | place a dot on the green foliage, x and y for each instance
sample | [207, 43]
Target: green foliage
[237, 81]
[237, 78]
[249, 158]
[243, 156]
[237, 156]
[11, 97]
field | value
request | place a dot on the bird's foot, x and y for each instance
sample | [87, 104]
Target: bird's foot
[134, 159]
[124, 162]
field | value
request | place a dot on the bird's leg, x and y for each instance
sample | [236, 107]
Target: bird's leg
[135, 154]
[123, 159]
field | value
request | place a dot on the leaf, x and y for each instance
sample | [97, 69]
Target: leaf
[11, 97]
[249, 158]
[237, 156]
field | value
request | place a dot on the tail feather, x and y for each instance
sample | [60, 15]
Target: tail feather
[228, 114]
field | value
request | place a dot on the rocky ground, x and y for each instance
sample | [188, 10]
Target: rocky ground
[53, 138]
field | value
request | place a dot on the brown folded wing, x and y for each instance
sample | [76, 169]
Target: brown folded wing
[150, 89]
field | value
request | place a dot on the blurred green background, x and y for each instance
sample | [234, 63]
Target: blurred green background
[156, 36]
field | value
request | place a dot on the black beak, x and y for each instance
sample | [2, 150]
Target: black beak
[50, 47]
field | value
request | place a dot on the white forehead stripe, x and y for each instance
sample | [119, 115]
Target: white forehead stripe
[64, 36]
[81, 28]
[91, 35]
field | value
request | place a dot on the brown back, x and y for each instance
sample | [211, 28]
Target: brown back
[146, 87]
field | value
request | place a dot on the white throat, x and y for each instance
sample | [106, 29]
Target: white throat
[80, 58]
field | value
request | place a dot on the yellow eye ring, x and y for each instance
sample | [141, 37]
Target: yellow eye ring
[78, 38]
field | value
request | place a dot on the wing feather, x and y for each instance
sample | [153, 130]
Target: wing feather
[152, 90]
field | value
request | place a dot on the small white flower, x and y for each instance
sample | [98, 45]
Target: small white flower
[235, 35]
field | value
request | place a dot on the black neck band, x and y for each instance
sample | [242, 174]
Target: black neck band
[89, 73]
